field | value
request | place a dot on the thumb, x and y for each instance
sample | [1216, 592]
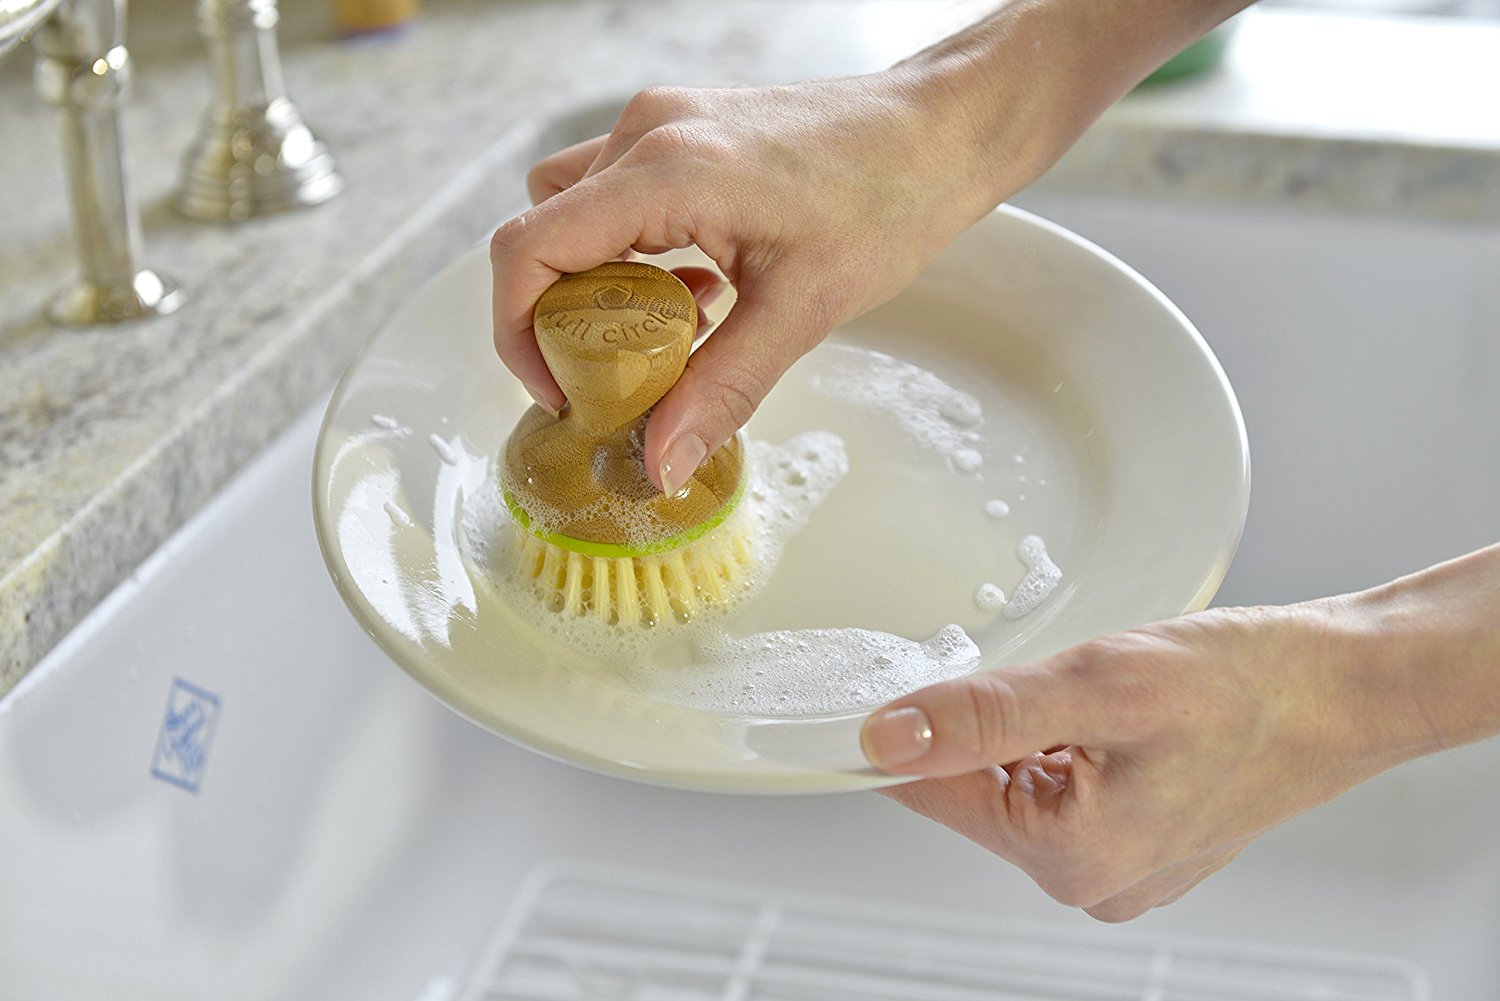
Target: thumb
[991, 718]
[724, 382]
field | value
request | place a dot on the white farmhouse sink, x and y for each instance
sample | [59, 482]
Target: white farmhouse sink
[344, 836]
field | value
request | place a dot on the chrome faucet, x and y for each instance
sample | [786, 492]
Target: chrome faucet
[83, 68]
[254, 155]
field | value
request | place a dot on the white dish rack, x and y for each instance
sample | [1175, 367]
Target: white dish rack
[587, 933]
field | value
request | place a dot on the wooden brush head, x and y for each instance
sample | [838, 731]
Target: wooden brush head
[616, 338]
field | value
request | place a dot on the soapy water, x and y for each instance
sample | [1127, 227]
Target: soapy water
[786, 673]
[967, 460]
[808, 671]
[785, 484]
[932, 413]
[397, 514]
[639, 523]
[1041, 579]
[989, 597]
[443, 449]
[701, 663]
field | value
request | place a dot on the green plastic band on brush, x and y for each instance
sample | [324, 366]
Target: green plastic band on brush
[620, 551]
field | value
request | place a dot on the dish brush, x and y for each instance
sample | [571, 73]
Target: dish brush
[593, 536]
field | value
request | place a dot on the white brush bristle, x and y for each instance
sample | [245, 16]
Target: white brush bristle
[706, 574]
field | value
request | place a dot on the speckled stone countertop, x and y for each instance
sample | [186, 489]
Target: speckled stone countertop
[111, 438]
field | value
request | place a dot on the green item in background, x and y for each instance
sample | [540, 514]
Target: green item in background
[1200, 57]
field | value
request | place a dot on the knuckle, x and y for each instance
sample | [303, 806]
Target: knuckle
[671, 140]
[1097, 662]
[506, 238]
[989, 712]
[1111, 669]
[736, 396]
[651, 105]
[539, 174]
[825, 309]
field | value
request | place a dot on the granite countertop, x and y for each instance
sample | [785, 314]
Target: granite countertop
[110, 438]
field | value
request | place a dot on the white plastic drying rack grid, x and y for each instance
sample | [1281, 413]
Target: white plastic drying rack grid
[589, 933]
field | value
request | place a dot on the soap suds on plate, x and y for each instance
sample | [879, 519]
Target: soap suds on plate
[807, 672]
[1041, 578]
[786, 484]
[967, 460]
[933, 414]
[989, 597]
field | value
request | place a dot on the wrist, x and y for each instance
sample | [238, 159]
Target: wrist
[1422, 665]
[1009, 95]
[984, 101]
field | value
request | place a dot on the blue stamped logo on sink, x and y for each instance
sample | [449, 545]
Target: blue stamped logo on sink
[186, 733]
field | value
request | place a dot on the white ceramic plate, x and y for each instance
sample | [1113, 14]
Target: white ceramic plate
[1108, 428]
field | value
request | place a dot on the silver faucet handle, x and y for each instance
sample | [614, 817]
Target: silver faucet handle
[84, 69]
[254, 155]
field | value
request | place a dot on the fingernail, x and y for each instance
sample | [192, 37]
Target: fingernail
[895, 737]
[541, 401]
[682, 460]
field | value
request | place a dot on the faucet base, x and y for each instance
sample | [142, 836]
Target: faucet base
[254, 162]
[86, 303]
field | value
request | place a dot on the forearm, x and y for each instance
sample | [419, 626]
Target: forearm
[1429, 654]
[1010, 94]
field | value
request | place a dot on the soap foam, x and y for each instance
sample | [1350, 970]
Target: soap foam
[785, 484]
[933, 414]
[626, 507]
[996, 508]
[807, 672]
[788, 673]
[961, 409]
[967, 460]
[989, 597]
[398, 517]
[443, 449]
[1041, 579]
[638, 523]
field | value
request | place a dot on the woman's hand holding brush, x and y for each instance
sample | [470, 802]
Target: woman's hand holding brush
[817, 201]
[820, 199]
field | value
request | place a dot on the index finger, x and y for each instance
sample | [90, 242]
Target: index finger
[561, 170]
[592, 222]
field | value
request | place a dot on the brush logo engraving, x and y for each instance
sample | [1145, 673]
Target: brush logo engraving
[611, 332]
[612, 297]
[616, 297]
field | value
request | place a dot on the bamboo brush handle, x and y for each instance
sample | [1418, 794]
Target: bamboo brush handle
[616, 338]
